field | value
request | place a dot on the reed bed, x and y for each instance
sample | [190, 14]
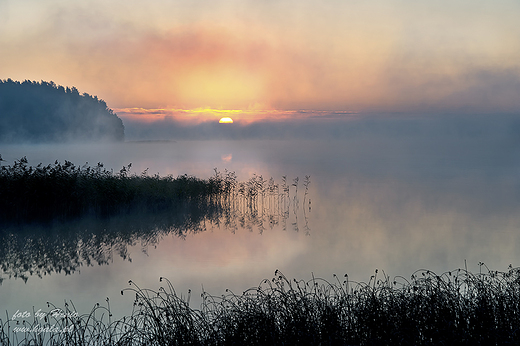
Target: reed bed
[456, 307]
[63, 191]
[58, 217]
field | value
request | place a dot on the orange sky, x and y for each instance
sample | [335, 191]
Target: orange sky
[354, 56]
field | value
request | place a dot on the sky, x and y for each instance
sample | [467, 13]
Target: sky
[198, 59]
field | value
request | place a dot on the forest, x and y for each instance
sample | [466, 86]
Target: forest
[43, 112]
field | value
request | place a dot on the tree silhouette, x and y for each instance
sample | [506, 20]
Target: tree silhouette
[45, 112]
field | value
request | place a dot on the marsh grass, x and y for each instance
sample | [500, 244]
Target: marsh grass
[65, 191]
[59, 217]
[456, 307]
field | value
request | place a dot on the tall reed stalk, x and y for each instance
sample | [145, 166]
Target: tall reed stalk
[456, 307]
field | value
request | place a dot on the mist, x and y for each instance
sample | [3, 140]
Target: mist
[332, 126]
[470, 137]
[45, 112]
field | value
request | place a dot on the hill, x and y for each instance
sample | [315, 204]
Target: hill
[39, 112]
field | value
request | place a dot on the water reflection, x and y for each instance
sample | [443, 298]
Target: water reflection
[396, 204]
[63, 247]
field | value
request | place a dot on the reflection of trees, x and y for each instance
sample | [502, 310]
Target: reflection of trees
[64, 246]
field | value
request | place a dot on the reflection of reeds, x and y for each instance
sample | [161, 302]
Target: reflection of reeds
[65, 191]
[457, 307]
[58, 217]
[259, 203]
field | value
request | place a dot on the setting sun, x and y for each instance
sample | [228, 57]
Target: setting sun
[226, 120]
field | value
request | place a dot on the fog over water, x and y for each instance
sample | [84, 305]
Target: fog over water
[395, 194]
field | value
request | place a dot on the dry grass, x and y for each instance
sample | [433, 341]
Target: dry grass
[457, 307]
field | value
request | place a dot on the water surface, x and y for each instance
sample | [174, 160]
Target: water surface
[389, 203]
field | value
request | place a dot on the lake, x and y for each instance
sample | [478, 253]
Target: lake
[392, 203]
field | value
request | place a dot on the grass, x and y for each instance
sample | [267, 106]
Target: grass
[456, 307]
[59, 217]
[65, 191]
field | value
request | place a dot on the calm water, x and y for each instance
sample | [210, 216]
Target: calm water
[394, 204]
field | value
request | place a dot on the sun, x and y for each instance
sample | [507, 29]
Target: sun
[226, 120]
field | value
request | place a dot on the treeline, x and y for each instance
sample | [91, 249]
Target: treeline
[45, 112]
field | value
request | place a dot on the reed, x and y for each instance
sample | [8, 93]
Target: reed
[62, 191]
[58, 217]
[456, 307]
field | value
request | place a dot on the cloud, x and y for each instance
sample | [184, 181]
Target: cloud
[355, 56]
